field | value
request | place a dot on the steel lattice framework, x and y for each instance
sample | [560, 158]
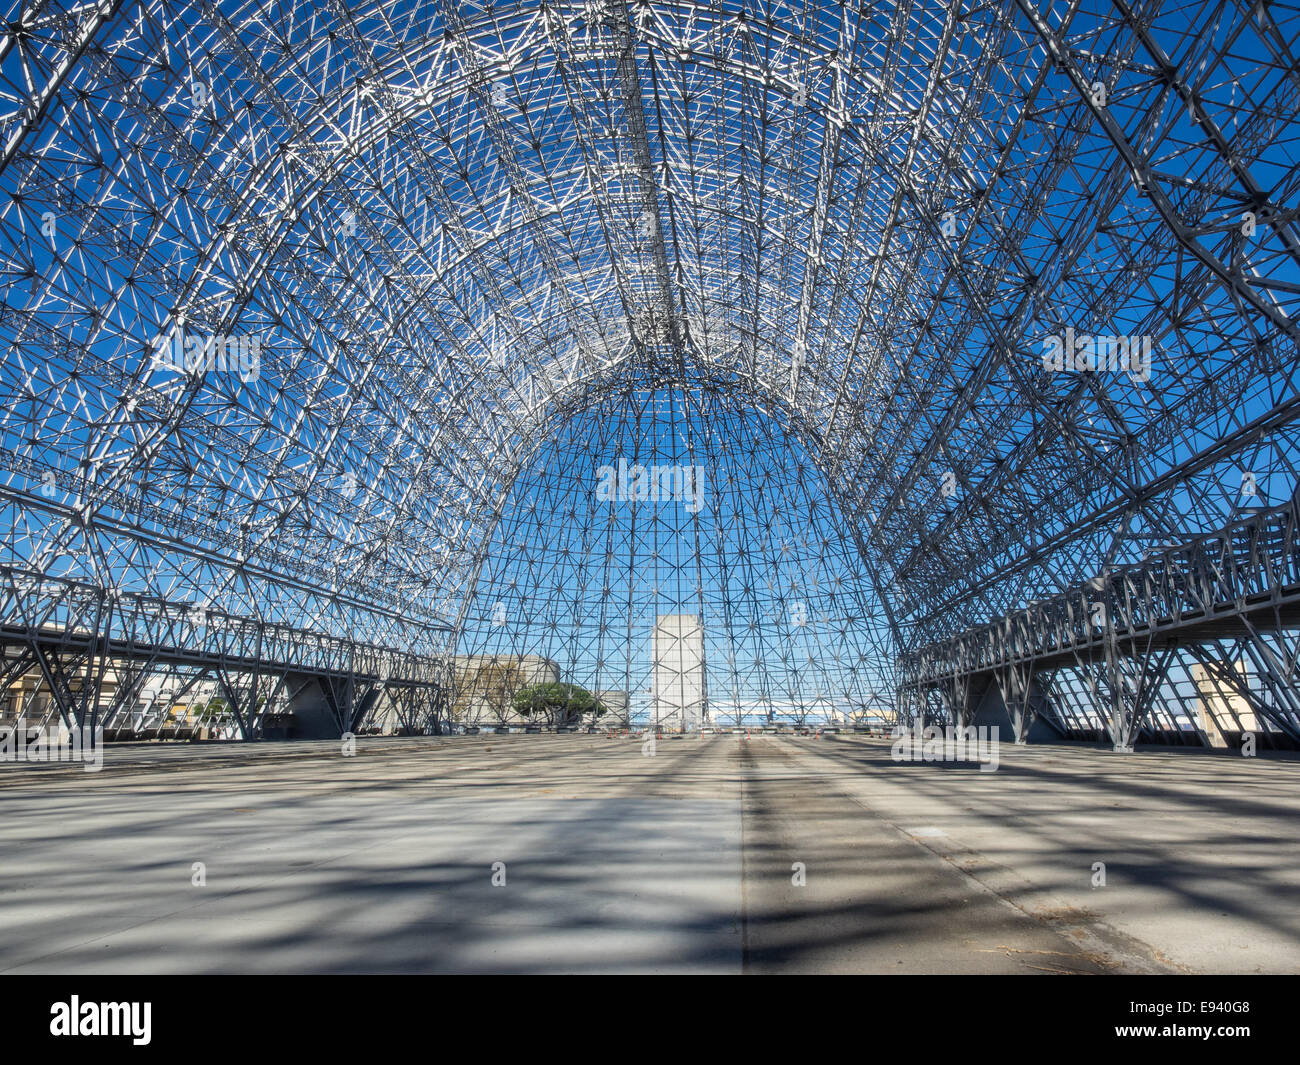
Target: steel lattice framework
[448, 238]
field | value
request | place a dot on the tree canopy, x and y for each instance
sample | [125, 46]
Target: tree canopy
[560, 703]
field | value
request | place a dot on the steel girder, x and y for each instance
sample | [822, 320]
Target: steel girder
[1129, 623]
[77, 634]
[1212, 585]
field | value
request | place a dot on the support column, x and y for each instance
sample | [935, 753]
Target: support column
[74, 683]
[1023, 696]
[1133, 685]
[244, 700]
[956, 695]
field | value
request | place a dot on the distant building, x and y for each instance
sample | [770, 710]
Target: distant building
[677, 691]
[1219, 706]
[484, 686]
[163, 704]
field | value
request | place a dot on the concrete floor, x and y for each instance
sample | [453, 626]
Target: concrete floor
[680, 862]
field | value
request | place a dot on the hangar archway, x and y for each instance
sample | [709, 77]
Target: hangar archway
[447, 226]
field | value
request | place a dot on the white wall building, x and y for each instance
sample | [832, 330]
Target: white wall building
[677, 685]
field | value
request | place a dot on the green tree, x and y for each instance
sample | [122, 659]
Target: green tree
[561, 704]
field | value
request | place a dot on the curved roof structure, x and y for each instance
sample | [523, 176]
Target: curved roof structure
[298, 298]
